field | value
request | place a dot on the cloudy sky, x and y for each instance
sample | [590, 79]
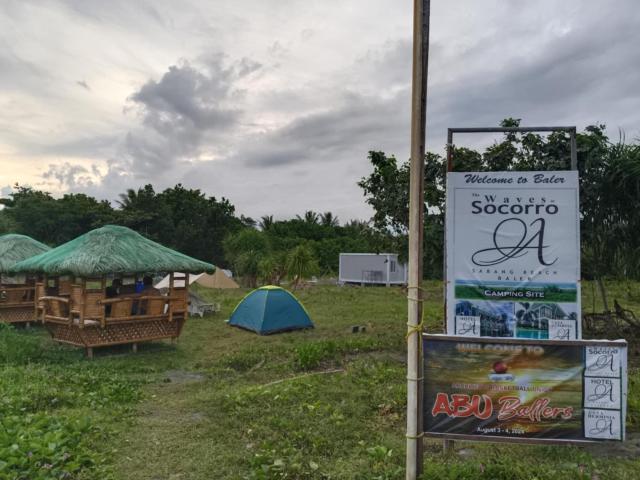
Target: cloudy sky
[274, 104]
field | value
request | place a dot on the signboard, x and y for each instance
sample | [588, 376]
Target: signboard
[524, 390]
[513, 255]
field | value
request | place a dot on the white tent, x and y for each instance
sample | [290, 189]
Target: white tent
[220, 279]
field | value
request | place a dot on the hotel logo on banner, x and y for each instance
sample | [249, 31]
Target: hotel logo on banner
[513, 255]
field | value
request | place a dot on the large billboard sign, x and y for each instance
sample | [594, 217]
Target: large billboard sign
[524, 390]
[513, 255]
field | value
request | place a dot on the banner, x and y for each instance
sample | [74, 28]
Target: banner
[556, 391]
[513, 255]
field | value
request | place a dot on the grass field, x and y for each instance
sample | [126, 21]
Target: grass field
[225, 403]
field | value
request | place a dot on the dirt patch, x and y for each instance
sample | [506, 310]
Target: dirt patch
[630, 448]
[182, 376]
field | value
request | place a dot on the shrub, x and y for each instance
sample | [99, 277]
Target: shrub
[310, 355]
[40, 446]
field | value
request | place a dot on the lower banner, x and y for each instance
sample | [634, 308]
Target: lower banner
[527, 390]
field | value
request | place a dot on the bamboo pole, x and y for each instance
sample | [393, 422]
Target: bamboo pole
[416, 231]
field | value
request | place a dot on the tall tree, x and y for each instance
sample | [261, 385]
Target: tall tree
[328, 219]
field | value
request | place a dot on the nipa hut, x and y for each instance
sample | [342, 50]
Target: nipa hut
[17, 293]
[97, 310]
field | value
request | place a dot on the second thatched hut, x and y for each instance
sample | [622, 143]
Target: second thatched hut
[107, 303]
[17, 292]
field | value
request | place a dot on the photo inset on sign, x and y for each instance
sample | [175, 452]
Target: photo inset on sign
[540, 320]
[496, 318]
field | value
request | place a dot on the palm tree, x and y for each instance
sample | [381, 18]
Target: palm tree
[273, 268]
[247, 266]
[327, 219]
[266, 222]
[309, 217]
[301, 263]
[128, 198]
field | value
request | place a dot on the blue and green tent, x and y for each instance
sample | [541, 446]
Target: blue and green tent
[270, 309]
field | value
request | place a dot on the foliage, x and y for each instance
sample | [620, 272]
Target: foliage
[310, 355]
[272, 268]
[51, 407]
[301, 263]
[192, 223]
[245, 250]
[54, 221]
[609, 193]
[180, 218]
[42, 447]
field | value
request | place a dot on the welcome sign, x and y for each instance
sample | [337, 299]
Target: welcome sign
[513, 255]
[559, 391]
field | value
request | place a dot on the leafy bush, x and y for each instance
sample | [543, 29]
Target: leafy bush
[34, 388]
[42, 447]
[310, 355]
[284, 463]
[16, 348]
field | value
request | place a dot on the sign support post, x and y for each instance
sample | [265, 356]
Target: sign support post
[415, 428]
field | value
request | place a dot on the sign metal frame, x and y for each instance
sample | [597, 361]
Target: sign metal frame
[450, 165]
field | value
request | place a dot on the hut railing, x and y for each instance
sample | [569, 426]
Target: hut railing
[56, 310]
[130, 309]
[89, 311]
[17, 296]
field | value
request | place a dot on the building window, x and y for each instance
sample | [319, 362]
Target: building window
[392, 266]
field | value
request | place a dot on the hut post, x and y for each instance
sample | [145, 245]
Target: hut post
[186, 295]
[45, 284]
[171, 292]
[83, 304]
[103, 287]
[35, 300]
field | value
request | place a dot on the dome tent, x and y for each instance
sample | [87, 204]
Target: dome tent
[270, 309]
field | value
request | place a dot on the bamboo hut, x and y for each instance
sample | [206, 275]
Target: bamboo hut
[18, 293]
[87, 314]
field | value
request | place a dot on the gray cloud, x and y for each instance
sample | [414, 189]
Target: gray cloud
[68, 175]
[326, 136]
[182, 112]
[297, 120]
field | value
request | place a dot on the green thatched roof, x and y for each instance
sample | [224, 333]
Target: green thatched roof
[111, 249]
[14, 248]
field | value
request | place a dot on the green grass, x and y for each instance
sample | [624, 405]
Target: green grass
[226, 403]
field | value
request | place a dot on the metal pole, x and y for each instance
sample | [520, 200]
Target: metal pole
[449, 150]
[421, 9]
[447, 445]
[574, 149]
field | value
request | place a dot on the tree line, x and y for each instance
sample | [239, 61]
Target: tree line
[609, 194]
[268, 250]
[202, 226]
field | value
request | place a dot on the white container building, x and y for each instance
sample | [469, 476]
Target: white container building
[372, 269]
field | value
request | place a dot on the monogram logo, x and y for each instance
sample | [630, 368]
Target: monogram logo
[529, 240]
